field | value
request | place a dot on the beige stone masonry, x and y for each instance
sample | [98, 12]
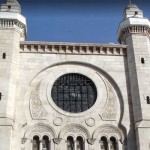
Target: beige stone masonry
[72, 48]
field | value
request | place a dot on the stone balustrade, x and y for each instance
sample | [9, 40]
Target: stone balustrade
[72, 48]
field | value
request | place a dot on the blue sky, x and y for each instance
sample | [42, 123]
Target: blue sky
[84, 21]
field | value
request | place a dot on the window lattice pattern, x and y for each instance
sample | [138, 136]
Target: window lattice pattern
[74, 92]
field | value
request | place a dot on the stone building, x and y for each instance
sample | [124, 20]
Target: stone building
[74, 96]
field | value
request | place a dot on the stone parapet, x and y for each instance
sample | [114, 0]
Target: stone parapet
[13, 24]
[72, 48]
[133, 25]
[133, 29]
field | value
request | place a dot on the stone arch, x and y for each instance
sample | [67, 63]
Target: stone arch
[74, 129]
[97, 69]
[40, 129]
[109, 130]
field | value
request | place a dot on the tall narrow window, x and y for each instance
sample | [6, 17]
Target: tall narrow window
[36, 143]
[148, 99]
[45, 143]
[70, 143]
[142, 60]
[80, 143]
[4, 55]
[113, 143]
[0, 96]
[104, 143]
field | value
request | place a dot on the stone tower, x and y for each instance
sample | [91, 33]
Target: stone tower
[12, 31]
[134, 31]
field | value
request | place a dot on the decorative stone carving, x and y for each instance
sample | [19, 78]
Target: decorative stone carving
[58, 121]
[40, 129]
[74, 129]
[136, 29]
[110, 108]
[90, 122]
[24, 140]
[57, 140]
[91, 141]
[108, 130]
[36, 107]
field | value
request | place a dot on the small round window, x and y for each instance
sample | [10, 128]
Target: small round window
[74, 93]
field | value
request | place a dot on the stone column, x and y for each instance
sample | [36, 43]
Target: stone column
[49, 145]
[109, 145]
[75, 144]
[85, 145]
[29, 144]
[119, 145]
[41, 144]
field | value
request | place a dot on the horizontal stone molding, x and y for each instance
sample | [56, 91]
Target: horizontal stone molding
[72, 48]
[13, 24]
[134, 29]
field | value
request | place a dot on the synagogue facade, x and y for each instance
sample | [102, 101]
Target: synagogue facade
[74, 96]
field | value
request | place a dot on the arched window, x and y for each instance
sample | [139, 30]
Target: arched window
[70, 143]
[36, 143]
[113, 143]
[45, 143]
[104, 143]
[80, 143]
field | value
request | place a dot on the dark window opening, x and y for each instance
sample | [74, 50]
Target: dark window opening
[104, 143]
[36, 143]
[0, 96]
[142, 60]
[113, 143]
[80, 143]
[9, 7]
[4, 55]
[74, 93]
[70, 143]
[148, 99]
[45, 143]
[136, 12]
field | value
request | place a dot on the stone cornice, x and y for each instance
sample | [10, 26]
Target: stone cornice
[13, 24]
[72, 48]
[133, 29]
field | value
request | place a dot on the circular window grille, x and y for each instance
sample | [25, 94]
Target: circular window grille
[74, 93]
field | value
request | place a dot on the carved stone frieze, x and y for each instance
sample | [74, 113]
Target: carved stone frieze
[108, 130]
[24, 140]
[110, 109]
[91, 141]
[36, 107]
[58, 121]
[57, 140]
[74, 129]
[40, 129]
[90, 122]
